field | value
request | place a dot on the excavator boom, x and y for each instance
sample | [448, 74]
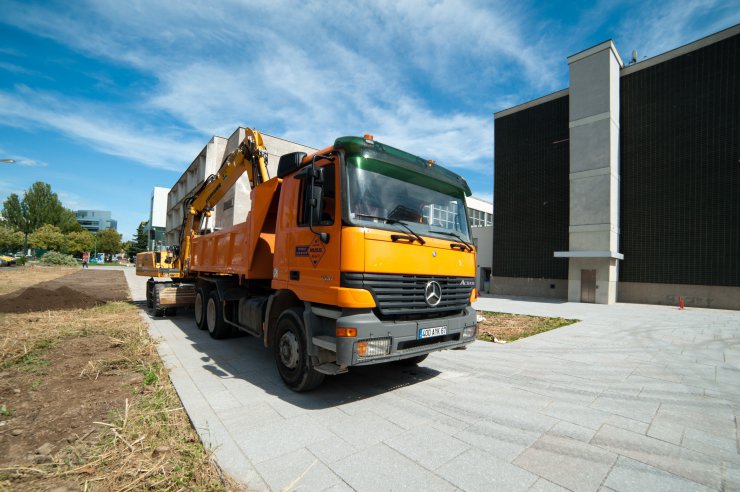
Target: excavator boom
[249, 157]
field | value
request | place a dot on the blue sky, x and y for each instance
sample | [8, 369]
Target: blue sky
[105, 100]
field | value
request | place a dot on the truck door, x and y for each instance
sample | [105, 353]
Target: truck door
[313, 264]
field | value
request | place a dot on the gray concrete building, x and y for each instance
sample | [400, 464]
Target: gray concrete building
[624, 186]
[96, 220]
[235, 205]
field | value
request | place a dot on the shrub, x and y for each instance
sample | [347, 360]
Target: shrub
[54, 258]
[21, 260]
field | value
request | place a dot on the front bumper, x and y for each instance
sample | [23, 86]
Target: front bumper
[403, 335]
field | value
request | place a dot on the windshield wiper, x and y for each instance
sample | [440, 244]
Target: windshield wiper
[457, 236]
[395, 221]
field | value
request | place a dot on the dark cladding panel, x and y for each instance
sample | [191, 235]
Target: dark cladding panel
[531, 194]
[680, 169]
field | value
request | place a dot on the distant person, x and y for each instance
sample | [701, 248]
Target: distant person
[85, 259]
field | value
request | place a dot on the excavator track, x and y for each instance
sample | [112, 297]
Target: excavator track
[166, 297]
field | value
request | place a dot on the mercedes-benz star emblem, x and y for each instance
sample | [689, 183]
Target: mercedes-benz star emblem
[433, 293]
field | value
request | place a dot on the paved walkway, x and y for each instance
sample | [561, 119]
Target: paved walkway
[632, 398]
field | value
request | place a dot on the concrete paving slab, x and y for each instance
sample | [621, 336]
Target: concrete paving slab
[476, 470]
[542, 485]
[666, 430]
[631, 377]
[662, 455]
[569, 463]
[429, 447]
[298, 470]
[629, 474]
[383, 467]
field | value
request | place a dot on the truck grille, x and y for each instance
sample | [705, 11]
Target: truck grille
[398, 295]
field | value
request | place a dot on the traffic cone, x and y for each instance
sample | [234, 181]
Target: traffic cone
[680, 302]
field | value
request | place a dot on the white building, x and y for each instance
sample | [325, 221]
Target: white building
[155, 228]
[481, 221]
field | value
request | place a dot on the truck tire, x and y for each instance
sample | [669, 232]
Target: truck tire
[291, 356]
[199, 308]
[214, 317]
[412, 361]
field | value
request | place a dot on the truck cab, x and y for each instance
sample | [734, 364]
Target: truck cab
[373, 247]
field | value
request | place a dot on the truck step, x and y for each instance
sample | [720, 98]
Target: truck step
[331, 369]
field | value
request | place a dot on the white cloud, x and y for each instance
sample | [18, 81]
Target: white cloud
[652, 28]
[304, 78]
[96, 125]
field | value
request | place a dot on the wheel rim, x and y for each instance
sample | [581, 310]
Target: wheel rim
[198, 308]
[289, 350]
[211, 315]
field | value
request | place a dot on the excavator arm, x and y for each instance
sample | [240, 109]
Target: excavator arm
[249, 157]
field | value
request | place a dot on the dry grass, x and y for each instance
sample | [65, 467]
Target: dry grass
[509, 327]
[15, 278]
[148, 443]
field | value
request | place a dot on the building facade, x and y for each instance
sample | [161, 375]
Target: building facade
[156, 225]
[625, 186]
[96, 220]
[235, 205]
[481, 223]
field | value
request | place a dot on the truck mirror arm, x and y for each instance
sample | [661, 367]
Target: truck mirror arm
[317, 178]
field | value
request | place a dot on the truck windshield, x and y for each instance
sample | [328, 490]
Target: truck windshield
[380, 195]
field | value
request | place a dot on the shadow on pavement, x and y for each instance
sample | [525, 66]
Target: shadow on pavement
[245, 357]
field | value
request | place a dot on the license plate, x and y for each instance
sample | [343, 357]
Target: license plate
[432, 332]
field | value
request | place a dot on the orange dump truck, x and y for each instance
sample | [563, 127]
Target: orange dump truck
[358, 254]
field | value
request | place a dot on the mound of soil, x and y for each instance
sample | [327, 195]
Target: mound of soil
[82, 289]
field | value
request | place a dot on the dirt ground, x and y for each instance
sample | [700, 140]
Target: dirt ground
[14, 278]
[504, 327]
[50, 401]
[75, 289]
[85, 403]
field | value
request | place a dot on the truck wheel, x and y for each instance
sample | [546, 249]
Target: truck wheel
[199, 308]
[289, 346]
[215, 317]
[412, 361]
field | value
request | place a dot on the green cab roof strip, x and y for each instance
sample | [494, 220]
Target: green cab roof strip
[372, 149]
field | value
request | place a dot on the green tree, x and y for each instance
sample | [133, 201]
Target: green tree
[39, 206]
[109, 241]
[15, 212]
[48, 237]
[140, 241]
[68, 221]
[80, 241]
[10, 240]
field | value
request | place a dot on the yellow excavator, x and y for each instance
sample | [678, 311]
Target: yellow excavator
[250, 157]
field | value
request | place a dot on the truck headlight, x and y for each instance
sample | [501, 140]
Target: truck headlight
[469, 331]
[374, 347]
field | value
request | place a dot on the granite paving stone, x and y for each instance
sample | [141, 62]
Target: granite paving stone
[628, 474]
[477, 470]
[297, 470]
[542, 485]
[632, 397]
[660, 454]
[429, 447]
[569, 463]
[383, 467]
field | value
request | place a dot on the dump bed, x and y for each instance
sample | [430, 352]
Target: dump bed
[245, 249]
